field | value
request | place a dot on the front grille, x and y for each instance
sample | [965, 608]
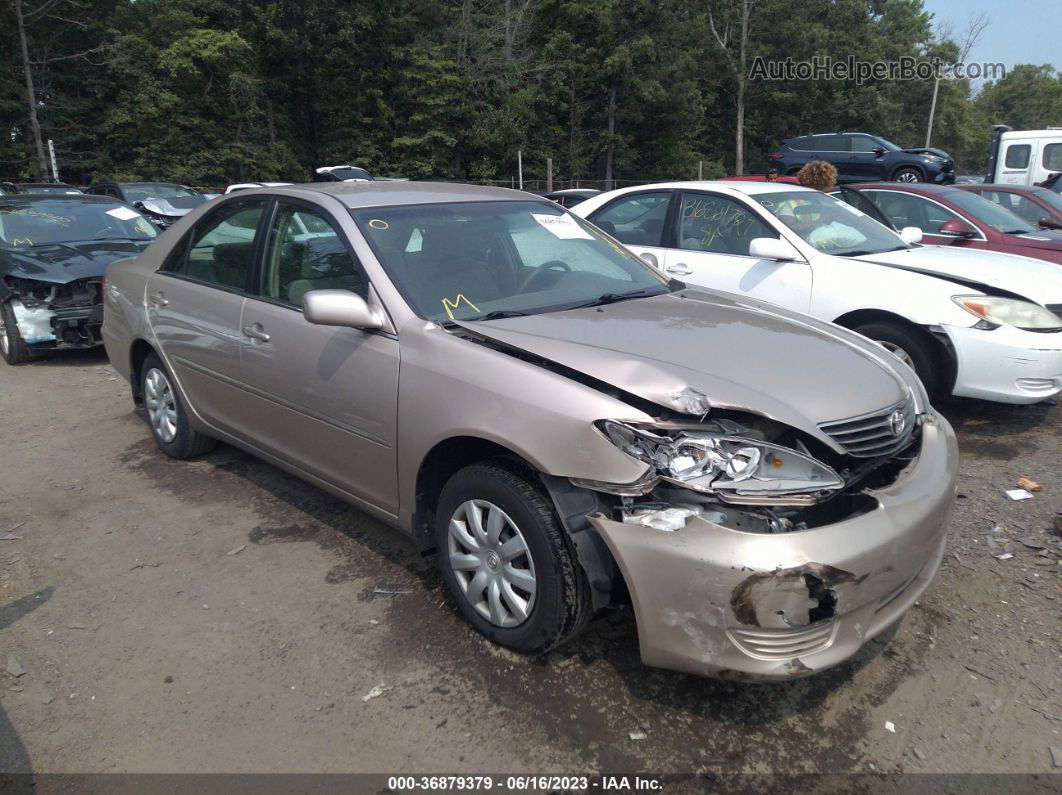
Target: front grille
[873, 435]
[784, 644]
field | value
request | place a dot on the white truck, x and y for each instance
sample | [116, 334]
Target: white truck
[1023, 157]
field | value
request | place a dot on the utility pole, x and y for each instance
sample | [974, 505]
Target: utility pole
[932, 110]
[549, 175]
[700, 169]
[520, 167]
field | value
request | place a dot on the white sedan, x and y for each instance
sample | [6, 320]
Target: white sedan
[971, 323]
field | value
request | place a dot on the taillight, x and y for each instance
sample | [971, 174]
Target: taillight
[774, 157]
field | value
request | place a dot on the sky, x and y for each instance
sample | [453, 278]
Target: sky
[1019, 31]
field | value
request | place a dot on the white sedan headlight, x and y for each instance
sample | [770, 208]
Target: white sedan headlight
[732, 467]
[1009, 312]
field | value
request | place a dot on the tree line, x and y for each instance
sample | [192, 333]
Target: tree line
[208, 92]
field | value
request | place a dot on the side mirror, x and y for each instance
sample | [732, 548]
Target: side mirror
[1047, 222]
[339, 308]
[911, 234]
[956, 228]
[879, 151]
[650, 259]
[773, 248]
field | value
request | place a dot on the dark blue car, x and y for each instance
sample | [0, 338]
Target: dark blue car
[860, 157]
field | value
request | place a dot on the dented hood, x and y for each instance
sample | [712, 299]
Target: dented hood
[739, 354]
[1036, 280]
[60, 263]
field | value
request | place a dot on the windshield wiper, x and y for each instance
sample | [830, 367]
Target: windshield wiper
[1018, 231]
[612, 298]
[500, 314]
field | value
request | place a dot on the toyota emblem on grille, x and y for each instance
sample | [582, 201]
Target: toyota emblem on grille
[897, 422]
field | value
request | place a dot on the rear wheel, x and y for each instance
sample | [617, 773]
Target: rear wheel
[911, 348]
[12, 346]
[504, 557]
[908, 175]
[166, 414]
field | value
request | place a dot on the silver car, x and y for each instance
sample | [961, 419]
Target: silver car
[564, 428]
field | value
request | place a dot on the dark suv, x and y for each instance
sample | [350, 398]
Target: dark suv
[860, 157]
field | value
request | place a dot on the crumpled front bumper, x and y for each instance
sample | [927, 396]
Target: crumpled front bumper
[719, 602]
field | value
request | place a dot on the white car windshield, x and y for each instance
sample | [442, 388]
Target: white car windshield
[486, 260]
[830, 225]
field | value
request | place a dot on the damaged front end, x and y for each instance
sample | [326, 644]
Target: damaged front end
[754, 550]
[50, 315]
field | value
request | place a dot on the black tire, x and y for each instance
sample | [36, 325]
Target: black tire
[562, 603]
[186, 442]
[924, 358]
[908, 174]
[13, 347]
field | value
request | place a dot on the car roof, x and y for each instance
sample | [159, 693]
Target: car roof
[355, 195]
[911, 187]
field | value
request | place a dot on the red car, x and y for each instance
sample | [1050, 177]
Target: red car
[1038, 206]
[951, 216]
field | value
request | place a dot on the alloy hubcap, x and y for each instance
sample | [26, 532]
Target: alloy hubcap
[898, 352]
[161, 405]
[907, 176]
[492, 564]
[5, 343]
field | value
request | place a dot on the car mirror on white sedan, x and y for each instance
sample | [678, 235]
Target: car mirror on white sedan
[911, 234]
[773, 248]
[339, 308]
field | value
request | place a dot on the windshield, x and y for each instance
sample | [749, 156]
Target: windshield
[830, 225]
[47, 221]
[988, 212]
[476, 260]
[50, 189]
[137, 193]
[888, 146]
[350, 172]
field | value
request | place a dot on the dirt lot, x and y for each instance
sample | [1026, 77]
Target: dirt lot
[219, 615]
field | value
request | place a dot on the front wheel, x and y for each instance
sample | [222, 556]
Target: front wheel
[166, 415]
[504, 558]
[12, 346]
[909, 347]
[908, 175]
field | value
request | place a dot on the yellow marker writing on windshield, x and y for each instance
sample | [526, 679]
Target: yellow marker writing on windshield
[449, 305]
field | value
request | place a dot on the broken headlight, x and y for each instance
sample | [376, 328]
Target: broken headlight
[733, 467]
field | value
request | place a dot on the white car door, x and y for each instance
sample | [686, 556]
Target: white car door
[713, 237]
[638, 221]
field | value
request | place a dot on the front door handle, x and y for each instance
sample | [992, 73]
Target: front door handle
[255, 332]
[158, 299]
[679, 268]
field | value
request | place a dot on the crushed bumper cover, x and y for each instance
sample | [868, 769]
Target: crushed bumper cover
[719, 602]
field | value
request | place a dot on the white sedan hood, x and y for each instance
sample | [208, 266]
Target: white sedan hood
[1036, 280]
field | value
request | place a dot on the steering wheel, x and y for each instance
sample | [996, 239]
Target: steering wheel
[545, 267]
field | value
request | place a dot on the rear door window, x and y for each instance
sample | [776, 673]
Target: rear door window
[637, 219]
[1052, 157]
[220, 249]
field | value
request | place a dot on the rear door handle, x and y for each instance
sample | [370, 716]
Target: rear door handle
[680, 268]
[255, 332]
[158, 299]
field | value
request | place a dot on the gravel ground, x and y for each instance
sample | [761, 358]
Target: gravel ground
[219, 615]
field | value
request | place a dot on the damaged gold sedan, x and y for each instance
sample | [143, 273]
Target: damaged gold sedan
[562, 427]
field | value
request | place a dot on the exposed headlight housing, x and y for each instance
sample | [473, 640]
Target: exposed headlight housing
[1001, 311]
[734, 468]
